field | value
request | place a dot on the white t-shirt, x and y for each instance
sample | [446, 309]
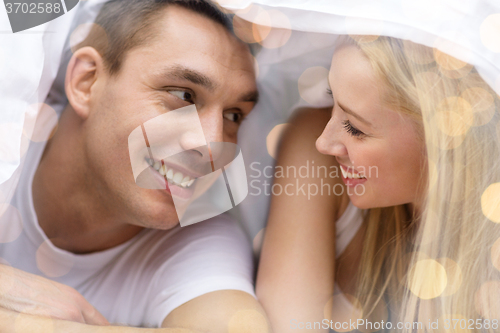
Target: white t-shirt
[137, 283]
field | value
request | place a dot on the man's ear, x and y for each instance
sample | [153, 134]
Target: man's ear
[84, 68]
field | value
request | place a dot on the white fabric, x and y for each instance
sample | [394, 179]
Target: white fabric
[139, 282]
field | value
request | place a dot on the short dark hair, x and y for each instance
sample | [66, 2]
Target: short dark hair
[125, 24]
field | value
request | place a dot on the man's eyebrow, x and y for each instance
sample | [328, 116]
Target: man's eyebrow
[192, 75]
[252, 96]
[354, 114]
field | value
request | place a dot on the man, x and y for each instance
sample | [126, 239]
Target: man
[114, 249]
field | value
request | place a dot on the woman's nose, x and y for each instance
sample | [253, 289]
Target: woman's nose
[329, 142]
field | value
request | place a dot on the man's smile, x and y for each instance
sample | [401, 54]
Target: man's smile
[172, 174]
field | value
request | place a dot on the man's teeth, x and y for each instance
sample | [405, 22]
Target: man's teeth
[173, 176]
[351, 175]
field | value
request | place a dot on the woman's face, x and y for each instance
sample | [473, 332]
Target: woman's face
[378, 149]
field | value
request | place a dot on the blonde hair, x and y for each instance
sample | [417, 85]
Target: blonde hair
[435, 265]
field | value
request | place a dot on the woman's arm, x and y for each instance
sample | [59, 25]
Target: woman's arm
[296, 270]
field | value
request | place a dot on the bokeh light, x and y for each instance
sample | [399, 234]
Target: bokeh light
[280, 32]
[490, 32]
[313, 85]
[428, 280]
[243, 29]
[417, 54]
[454, 116]
[11, 223]
[451, 66]
[257, 242]
[247, 320]
[40, 122]
[458, 73]
[482, 103]
[405, 262]
[261, 25]
[273, 139]
[453, 274]
[448, 62]
[490, 202]
[254, 24]
[495, 254]
[50, 266]
[486, 300]
[342, 308]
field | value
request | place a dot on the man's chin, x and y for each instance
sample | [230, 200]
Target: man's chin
[160, 223]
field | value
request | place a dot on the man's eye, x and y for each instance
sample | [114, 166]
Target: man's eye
[234, 117]
[182, 94]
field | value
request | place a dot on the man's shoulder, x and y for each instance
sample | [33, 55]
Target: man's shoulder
[220, 233]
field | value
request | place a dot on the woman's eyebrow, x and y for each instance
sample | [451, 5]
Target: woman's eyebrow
[354, 114]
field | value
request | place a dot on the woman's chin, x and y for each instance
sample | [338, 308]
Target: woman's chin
[362, 202]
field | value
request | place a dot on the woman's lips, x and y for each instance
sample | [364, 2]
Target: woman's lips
[351, 177]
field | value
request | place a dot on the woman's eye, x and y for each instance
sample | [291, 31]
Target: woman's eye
[234, 117]
[182, 94]
[353, 131]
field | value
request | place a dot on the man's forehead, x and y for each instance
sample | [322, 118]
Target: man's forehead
[181, 34]
[191, 47]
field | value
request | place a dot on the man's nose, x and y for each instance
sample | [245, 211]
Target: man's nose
[211, 121]
[329, 142]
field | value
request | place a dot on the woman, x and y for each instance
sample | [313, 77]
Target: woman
[413, 132]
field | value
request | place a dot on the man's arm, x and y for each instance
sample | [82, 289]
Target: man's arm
[218, 311]
[221, 311]
[17, 322]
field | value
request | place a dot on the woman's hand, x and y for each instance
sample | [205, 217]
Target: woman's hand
[22, 292]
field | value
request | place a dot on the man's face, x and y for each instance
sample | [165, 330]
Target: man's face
[192, 60]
